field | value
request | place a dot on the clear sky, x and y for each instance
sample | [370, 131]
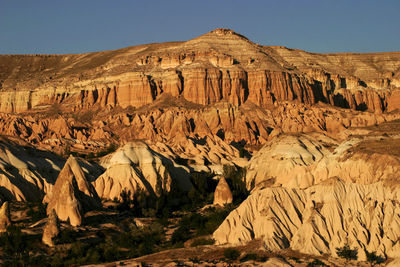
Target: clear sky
[77, 26]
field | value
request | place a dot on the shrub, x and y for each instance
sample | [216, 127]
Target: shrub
[249, 257]
[13, 242]
[37, 213]
[236, 178]
[373, 258]
[110, 149]
[202, 242]
[316, 262]
[347, 253]
[231, 254]
[67, 236]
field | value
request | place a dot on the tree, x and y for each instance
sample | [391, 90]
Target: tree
[236, 178]
[373, 258]
[347, 253]
[231, 254]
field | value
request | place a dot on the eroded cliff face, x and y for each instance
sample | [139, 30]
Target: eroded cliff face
[218, 66]
[319, 219]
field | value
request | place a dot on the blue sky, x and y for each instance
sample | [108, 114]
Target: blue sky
[58, 27]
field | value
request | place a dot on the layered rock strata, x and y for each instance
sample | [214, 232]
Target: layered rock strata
[218, 66]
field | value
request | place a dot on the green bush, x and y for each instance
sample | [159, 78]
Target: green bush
[231, 254]
[236, 178]
[37, 211]
[14, 243]
[67, 236]
[347, 253]
[373, 258]
[195, 224]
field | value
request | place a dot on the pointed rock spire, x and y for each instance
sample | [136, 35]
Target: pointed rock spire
[222, 194]
[5, 220]
[72, 194]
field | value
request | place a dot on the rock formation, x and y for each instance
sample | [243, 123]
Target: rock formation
[222, 194]
[299, 161]
[26, 173]
[51, 229]
[135, 166]
[198, 105]
[218, 66]
[72, 194]
[5, 219]
[318, 219]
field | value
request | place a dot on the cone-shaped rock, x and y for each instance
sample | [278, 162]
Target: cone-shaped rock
[5, 220]
[135, 166]
[222, 194]
[72, 194]
[51, 229]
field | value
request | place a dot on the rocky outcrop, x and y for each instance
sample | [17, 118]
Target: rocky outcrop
[222, 194]
[185, 127]
[26, 173]
[136, 167]
[318, 219]
[305, 160]
[5, 219]
[51, 230]
[72, 194]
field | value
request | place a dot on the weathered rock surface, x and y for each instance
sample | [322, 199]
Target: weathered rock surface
[299, 161]
[181, 126]
[26, 173]
[222, 194]
[318, 219]
[5, 219]
[218, 66]
[135, 166]
[51, 230]
[72, 194]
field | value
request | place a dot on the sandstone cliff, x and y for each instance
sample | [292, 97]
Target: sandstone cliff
[218, 66]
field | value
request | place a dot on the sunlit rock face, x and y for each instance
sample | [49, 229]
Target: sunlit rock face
[72, 194]
[135, 166]
[319, 219]
[218, 66]
[5, 219]
[222, 194]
